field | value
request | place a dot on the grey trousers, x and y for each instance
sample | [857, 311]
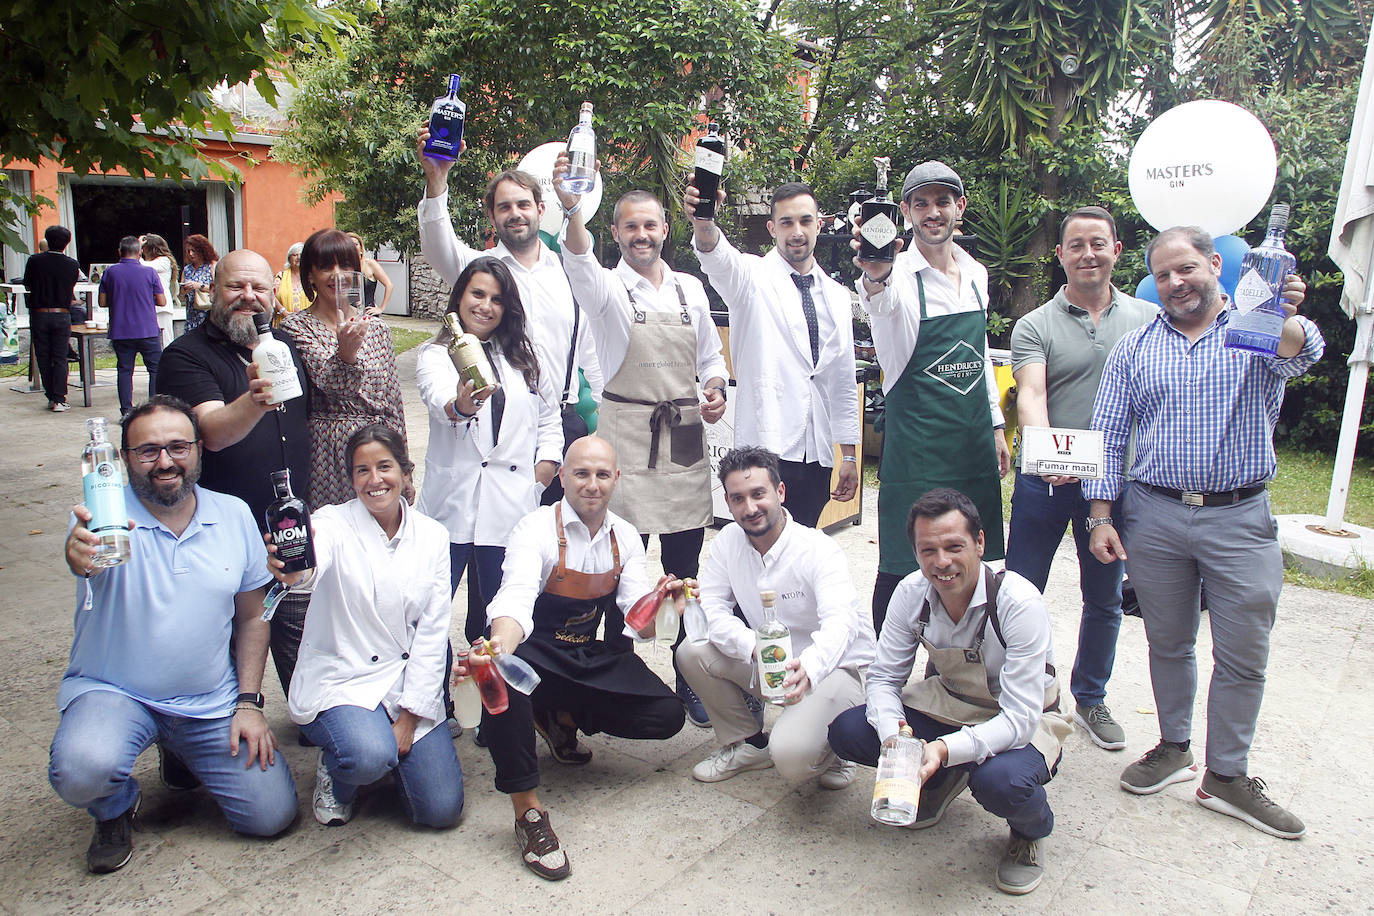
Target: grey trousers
[799, 743]
[1170, 548]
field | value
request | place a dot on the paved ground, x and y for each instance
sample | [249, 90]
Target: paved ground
[642, 836]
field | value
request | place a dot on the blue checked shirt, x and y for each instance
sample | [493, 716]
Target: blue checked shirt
[1205, 414]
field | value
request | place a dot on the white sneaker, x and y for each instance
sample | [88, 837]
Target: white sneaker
[732, 759]
[838, 775]
[328, 810]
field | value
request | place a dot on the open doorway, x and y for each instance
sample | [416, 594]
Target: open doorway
[104, 213]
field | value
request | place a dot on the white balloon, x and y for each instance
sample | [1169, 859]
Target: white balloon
[539, 162]
[1207, 163]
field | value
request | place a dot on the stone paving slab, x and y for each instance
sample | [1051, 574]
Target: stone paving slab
[642, 836]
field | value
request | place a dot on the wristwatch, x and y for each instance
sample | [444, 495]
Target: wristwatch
[257, 699]
[1091, 522]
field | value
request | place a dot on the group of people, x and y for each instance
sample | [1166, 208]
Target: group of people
[552, 524]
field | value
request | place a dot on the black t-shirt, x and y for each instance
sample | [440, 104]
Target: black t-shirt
[204, 365]
[50, 277]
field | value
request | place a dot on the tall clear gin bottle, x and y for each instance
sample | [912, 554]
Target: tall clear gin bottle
[773, 648]
[446, 119]
[581, 154]
[897, 789]
[102, 481]
[878, 217]
[1257, 323]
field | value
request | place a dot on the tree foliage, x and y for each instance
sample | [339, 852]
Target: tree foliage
[99, 89]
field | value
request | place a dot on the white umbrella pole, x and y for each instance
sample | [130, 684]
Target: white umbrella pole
[1354, 406]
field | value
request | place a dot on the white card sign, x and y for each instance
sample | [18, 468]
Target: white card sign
[1051, 450]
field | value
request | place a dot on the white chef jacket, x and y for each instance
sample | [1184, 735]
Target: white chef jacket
[377, 631]
[532, 554]
[606, 305]
[895, 313]
[816, 598]
[544, 292]
[1018, 666]
[476, 488]
[782, 402]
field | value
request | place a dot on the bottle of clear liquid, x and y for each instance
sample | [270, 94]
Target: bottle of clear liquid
[102, 480]
[878, 220]
[273, 359]
[773, 648]
[710, 165]
[515, 671]
[694, 619]
[288, 521]
[446, 119]
[581, 154]
[1257, 323]
[897, 789]
[666, 625]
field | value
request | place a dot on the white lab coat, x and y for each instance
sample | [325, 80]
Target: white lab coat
[478, 489]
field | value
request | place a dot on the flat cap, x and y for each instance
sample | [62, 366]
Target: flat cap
[932, 172]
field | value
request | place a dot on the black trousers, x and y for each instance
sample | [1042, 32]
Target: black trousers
[50, 332]
[808, 489]
[681, 553]
[883, 587]
[574, 428]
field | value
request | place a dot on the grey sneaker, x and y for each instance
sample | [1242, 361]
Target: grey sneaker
[112, 845]
[1244, 798]
[1101, 727]
[1164, 765]
[838, 774]
[935, 799]
[329, 811]
[1020, 870]
[730, 760]
[539, 847]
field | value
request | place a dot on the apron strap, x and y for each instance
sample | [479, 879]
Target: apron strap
[921, 293]
[994, 583]
[636, 313]
[615, 557]
[682, 301]
[560, 572]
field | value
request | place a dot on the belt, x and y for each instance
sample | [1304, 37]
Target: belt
[1192, 498]
[62, 311]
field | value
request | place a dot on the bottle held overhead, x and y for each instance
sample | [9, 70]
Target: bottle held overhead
[710, 166]
[446, 118]
[581, 175]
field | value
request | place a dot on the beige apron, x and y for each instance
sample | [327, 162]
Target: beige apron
[650, 413]
[958, 689]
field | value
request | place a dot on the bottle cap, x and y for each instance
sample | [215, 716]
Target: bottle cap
[713, 126]
[768, 597]
[1278, 217]
[263, 322]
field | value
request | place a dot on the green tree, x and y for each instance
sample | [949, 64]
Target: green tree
[126, 86]
[650, 68]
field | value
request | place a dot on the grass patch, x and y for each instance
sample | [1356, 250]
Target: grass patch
[407, 338]
[1359, 583]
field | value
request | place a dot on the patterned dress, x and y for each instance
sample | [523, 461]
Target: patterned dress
[345, 398]
[205, 273]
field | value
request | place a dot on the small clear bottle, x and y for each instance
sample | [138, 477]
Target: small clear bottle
[897, 789]
[102, 481]
[773, 648]
[694, 619]
[666, 624]
[581, 176]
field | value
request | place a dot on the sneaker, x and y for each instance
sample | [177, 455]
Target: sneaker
[174, 772]
[1101, 727]
[454, 729]
[1020, 870]
[755, 708]
[732, 759]
[696, 712]
[477, 738]
[561, 739]
[838, 775]
[1160, 767]
[329, 810]
[113, 843]
[60, 407]
[935, 799]
[1244, 798]
[539, 846]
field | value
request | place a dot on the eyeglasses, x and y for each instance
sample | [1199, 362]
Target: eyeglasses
[176, 450]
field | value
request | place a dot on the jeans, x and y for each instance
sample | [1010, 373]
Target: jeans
[50, 332]
[1038, 519]
[150, 348]
[102, 733]
[482, 586]
[359, 748]
[1009, 785]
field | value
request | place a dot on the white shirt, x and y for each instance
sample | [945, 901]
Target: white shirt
[816, 598]
[544, 292]
[377, 631]
[532, 553]
[1019, 666]
[783, 402]
[895, 313]
[476, 488]
[606, 306]
[163, 265]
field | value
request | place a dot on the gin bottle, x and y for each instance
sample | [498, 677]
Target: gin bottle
[446, 119]
[773, 648]
[710, 165]
[288, 521]
[273, 359]
[1258, 320]
[102, 480]
[694, 619]
[897, 789]
[878, 220]
[468, 357]
[581, 174]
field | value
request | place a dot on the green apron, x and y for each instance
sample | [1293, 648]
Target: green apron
[939, 433]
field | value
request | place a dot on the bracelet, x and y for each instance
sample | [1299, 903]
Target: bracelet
[876, 282]
[246, 707]
[575, 207]
[849, 458]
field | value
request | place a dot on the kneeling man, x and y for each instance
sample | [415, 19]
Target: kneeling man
[988, 706]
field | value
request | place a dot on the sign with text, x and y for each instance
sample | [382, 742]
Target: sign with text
[1051, 450]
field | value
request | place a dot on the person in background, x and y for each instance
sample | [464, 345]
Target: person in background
[290, 289]
[50, 278]
[373, 274]
[197, 276]
[132, 293]
[158, 256]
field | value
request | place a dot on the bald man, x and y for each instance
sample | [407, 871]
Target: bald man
[567, 567]
[244, 439]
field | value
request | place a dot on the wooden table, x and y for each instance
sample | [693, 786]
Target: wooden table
[85, 338]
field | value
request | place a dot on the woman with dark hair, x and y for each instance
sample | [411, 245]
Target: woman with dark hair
[198, 277]
[158, 256]
[490, 453]
[351, 361]
[368, 685]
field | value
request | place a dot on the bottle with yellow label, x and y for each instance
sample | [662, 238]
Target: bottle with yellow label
[897, 790]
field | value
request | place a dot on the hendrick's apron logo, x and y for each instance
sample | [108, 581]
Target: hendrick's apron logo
[961, 368]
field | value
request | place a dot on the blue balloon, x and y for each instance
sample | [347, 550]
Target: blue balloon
[1231, 249]
[1146, 290]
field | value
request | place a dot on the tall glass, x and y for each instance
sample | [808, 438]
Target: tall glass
[350, 289]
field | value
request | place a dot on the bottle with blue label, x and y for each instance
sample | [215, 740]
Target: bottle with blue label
[446, 118]
[102, 479]
[1258, 320]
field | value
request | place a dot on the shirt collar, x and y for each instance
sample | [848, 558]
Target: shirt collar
[505, 254]
[782, 544]
[1062, 300]
[916, 261]
[572, 520]
[632, 278]
[207, 513]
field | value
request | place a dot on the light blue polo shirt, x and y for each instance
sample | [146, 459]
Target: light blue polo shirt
[160, 624]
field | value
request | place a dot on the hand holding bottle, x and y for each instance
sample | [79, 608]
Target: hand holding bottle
[936, 756]
[259, 389]
[436, 170]
[878, 270]
[277, 567]
[83, 545]
[797, 682]
[691, 198]
[566, 198]
[469, 400]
